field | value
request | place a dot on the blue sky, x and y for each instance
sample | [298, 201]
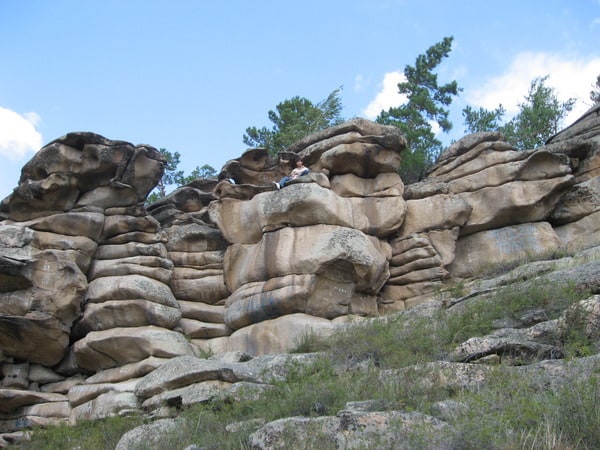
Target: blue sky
[191, 76]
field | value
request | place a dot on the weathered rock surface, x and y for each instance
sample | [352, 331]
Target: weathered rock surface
[147, 435]
[82, 169]
[503, 245]
[305, 204]
[356, 429]
[105, 305]
[118, 346]
[279, 335]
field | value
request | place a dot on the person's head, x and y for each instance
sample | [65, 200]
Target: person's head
[299, 163]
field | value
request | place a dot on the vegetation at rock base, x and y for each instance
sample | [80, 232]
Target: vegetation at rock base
[385, 361]
[99, 434]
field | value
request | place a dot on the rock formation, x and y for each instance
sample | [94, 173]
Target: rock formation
[104, 302]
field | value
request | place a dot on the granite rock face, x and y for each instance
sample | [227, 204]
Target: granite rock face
[55, 220]
[98, 291]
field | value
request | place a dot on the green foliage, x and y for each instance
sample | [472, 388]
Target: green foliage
[206, 171]
[509, 302]
[174, 177]
[540, 116]
[575, 337]
[96, 434]
[424, 339]
[595, 92]
[478, 120]
[510, 410]
[328, 392]
[293, 120]
[171, 176]
[427, 103]
[376, 343]
[577, 414]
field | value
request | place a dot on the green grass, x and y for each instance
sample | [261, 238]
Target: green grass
[478, 317]
[97, 434]
[513, 413]
[508, 412]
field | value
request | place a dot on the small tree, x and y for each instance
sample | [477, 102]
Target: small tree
[293, 120]
[173, 177]
[595, 93]
[427, 104]
[206, 171]
[478, 120]
[540, 116]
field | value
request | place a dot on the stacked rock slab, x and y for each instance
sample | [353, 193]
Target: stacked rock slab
[196, 247]
[316, 250]
[129, 310]
[576, 218]
[483, 203]
[249, 268]
[74, 214]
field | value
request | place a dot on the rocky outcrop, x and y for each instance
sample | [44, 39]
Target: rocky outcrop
[196, 247]
[83, 264]
[54, 223]
[528, 344]
[318, 246]
[389, 429]
[101, 296]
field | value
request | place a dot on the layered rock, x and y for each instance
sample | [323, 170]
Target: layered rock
[323, 270]
[319, 246]
[473, 198]
[129, 309]
[196, 247]
[576, 218]
[44, 261]
[243, 267]
[56, 220]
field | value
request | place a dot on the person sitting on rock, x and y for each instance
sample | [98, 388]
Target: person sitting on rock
[298, 171]
[225, 176]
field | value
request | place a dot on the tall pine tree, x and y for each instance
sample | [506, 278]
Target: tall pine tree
[427, 104]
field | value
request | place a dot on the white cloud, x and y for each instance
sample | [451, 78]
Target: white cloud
[570, 78]
[18, 134]
[358, 83]
[387, 97]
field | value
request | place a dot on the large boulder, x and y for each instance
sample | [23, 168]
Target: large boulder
[40, 292]
[119, 346]
[81, 169]
[507, 245]
[323, 270]
[305, 204]
[279, 335]
[347, 254]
